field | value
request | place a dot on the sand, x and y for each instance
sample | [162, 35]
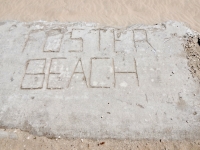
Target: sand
[118, 13]
[106, 12]
[19, 140]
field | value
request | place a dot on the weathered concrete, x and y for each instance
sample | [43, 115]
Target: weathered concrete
[83, 80]
[5, 134]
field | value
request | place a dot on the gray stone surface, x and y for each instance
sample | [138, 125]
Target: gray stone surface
[87, 81]
[5, 134]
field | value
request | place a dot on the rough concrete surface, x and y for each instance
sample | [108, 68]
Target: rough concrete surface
[82, 80]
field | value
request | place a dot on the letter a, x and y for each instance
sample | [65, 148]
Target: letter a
[78, 70]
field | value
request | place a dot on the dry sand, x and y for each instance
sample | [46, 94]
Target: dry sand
[105, 12]
[118, 13]
[24, 141]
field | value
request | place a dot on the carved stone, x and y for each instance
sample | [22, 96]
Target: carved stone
[62, 79]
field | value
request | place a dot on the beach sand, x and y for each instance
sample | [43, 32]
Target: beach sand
[19, 140]
[117, 13]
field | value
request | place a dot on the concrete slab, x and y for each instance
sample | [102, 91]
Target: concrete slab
[81, 80]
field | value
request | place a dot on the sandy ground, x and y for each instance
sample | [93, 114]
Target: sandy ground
[118, 13]
[105, 12]
[18, 140]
